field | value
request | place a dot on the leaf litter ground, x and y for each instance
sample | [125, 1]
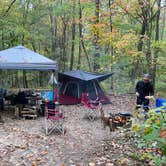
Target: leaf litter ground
[24, 143]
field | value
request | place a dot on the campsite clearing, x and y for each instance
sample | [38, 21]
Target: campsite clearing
[23, 142]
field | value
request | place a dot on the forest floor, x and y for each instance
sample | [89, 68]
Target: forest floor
[24, 143]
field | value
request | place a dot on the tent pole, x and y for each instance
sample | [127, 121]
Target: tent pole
[53, 84]
[57, 93]
[53, 87]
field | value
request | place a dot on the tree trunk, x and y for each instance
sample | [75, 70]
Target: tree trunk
[142, 33]
[63, 45]
[136, 70]
[15, 80]
[96, 36]
[80, 35]
[24, 18]
[86, 54]
[154, 67]
[97, 12]
[40, 79]
[73, 38]
[110, 20]
[139, 48]
[148, 27]
[163, 24]
[25, 82]
[33, 45]
[2, 40]
[147, 21]
[53, 35]
[112, 49]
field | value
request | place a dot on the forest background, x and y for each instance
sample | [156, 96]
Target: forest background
[127, 37]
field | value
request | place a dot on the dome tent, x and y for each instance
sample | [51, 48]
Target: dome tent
[76, 82]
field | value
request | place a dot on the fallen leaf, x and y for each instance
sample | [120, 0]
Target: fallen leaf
[33, 164]
[44, 152]
[92, 164]
[162, 133]
[62, 164]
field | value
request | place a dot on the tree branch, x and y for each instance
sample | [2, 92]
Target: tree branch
[9, 7]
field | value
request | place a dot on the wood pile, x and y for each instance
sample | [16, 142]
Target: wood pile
[29, 112]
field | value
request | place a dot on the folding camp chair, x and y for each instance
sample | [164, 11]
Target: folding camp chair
[90, 107]
[53, 118]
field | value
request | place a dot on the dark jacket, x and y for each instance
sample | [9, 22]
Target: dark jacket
[144, 89]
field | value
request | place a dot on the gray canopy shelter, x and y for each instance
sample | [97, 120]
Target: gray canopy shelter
[21, 58]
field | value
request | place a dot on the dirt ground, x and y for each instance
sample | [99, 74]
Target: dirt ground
[24, 143]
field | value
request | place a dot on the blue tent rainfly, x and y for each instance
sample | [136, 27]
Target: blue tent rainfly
[22, 58]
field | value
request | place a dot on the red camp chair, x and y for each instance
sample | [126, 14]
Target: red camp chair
[90, 107]
[53, 118]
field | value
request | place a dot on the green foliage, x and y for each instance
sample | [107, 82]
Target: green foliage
[150, 134]
[40, 25]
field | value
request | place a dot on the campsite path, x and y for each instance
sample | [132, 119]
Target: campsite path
[23, 142]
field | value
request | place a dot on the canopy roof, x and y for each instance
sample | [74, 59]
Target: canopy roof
[20, 57]
[83, 75]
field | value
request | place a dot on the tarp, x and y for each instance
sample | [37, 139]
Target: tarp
[161, 102]
[23, 58]
[47, 95]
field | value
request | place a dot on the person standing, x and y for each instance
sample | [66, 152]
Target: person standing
[144, 91]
